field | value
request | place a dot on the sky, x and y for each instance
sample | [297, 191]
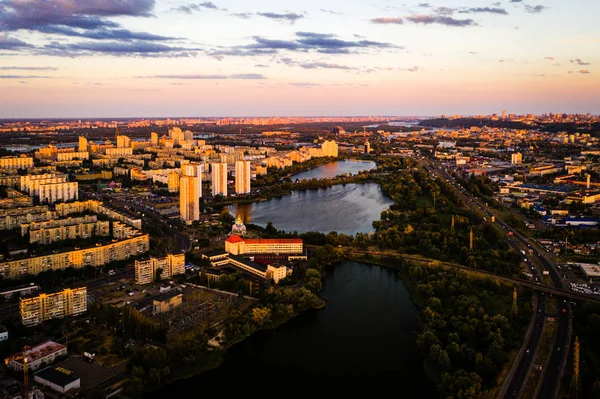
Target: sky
[158, 58]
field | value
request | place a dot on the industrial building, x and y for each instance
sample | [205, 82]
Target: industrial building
[166, 302]
[590, 270]
[58, 379]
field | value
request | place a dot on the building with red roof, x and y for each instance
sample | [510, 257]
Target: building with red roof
[237, 245]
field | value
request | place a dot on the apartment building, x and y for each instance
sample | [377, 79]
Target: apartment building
[242, 177]
[69, 302]
[13, 218]
[94, 256]
[27, 227]
[71, 155]
[57, 192]
[46, 236]
[16, 162]
[219, 179]
[171, 265]
[122, 231]
[189, 198]
[329, 148]
[99, 208]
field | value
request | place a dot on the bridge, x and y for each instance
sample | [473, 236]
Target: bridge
[513, 280]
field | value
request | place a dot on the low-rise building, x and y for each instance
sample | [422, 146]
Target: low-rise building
[58, 379]
[274, 272]
[37, 356]
[166, 302]
[237, 245]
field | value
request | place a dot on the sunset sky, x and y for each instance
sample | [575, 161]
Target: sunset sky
[145, 58]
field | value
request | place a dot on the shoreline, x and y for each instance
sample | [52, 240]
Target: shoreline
[219, 353]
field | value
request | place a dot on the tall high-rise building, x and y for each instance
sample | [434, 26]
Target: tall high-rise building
[177, 135]
[503, 114]
[516, 158]
[83, 144]
[367, 147]
[192, 169]
[154, 139]
[219, 179]
[329, 148]
[123, 141]
[173, 182]
[242, 177]
[189, 198]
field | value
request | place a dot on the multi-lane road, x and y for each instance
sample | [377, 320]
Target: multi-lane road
[553, 372]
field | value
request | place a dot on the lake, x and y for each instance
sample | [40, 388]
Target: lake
[348, 209]
[363, 339]
[345, 208]
[333, 169]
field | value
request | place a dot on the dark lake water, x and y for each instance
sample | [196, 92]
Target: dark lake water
[363, 339]
[347, 209]
[334, 169]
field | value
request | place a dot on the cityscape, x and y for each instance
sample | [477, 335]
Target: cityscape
[199, 196]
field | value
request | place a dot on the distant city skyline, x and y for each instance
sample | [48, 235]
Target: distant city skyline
[139, 58]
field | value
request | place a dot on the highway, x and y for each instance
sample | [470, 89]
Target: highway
[553, 372]
[522, 370]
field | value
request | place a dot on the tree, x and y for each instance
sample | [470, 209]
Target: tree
[158, 274]
[271, 230]
[203, 278]
[261, 315]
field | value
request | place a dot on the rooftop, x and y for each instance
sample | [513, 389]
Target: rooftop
[42, 350]
[60, 376]
[590, 269]
[234, 239]
[273, 241]
[249, 263]
[165, 296]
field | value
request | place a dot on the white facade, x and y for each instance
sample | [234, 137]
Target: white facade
[329, 148]
[219, 179]
[189, 198]
[16, 162]
[44, 353]
[56, 192]
[242, 177]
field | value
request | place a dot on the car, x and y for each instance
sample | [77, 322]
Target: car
[527, 351]
[514, 393]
